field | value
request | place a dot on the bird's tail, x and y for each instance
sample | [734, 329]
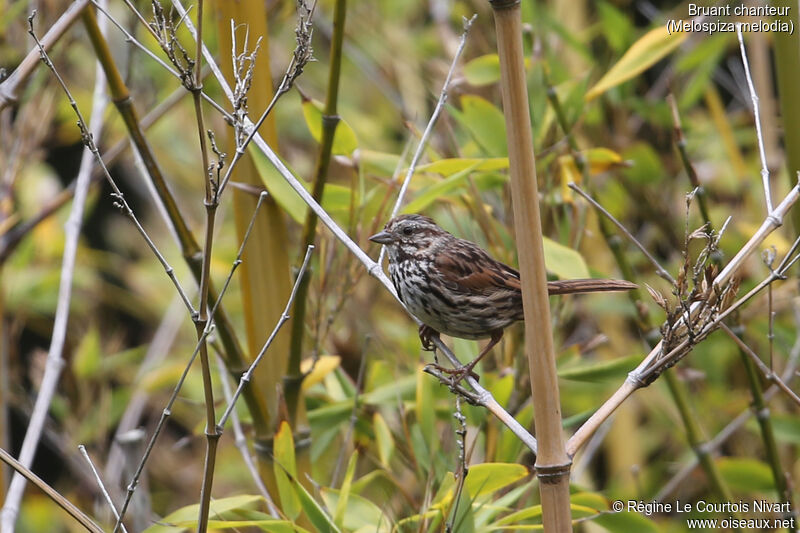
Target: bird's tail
[573, 286]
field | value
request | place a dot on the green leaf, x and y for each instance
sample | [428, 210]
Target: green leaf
[626, 522]
[336, 199]
[186, 517]
[786, 427]
[615, 25]
[436, 191]
[644, 53]
[562, 261]
[313, 510]
[344, 140]
[380, 163]
[285, 469]
[485, 70]
[383, 439]
[86, 361]
[426, 415]
[647, 167]
[746, 475]
[601, 371]
[344, 492]
[485, 123]
[360, 512]
[278, 188]
[486, 478]
[448, 167]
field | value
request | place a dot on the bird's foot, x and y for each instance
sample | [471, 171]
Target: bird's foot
[458, 374]
[426, 336]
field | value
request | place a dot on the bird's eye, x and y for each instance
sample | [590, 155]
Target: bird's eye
[407, 231]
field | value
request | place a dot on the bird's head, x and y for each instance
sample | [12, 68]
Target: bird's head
[408, 235]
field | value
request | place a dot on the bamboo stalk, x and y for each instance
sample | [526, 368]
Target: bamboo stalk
[552, 462]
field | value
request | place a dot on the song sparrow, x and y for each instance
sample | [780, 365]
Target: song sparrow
[454, 287]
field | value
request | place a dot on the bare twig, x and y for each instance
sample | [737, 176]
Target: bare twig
[659, 269]
[423, 141]
[52, 493]
[167, 411]
[362, 365]
[100, 484]
[734, 425]
[769, 375]
[245, 379]
[657, 361]
[757, 118]
[241, 442]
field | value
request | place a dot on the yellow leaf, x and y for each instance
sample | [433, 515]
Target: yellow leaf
[645, 52]
[324, 366]
[569, 174]
[344, 139]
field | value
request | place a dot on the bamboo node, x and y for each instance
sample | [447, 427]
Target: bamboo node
[551, 474]
[504, 4]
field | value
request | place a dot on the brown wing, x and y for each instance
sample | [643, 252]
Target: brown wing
[467, 269]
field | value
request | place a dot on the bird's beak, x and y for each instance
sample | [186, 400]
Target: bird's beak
[383, 237]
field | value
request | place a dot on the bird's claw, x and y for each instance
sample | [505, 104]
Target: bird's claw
[457, 374]
[426, 336]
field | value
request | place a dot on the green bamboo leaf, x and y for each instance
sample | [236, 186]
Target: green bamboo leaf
[87, 360]
[344, 140]
[601, 371]
[746, 475]
[487, 478]
[645, 52]
[485, 122]
[314, 511]
[380, 163]
[383, 439]
[562, 261]
[279, 190]
[285, 469]
[344, 492]
[428, 195]
[426, 415]
[186, 517]
[448, 167]
[485, 70]
[360, 514]
[626, 522]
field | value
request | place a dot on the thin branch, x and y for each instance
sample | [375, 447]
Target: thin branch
[423, 141]
[757, 118]
[52, 493]
[734, 425]
[659, 269]
[100, 484]
[657, 361]
[240, 441]
[167, 411]
[362, 365]
[245, 379]
[769, 375]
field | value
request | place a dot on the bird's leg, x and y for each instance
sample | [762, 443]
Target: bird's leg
[466, 370]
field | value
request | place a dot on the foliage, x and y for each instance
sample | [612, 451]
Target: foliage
[383, 446]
